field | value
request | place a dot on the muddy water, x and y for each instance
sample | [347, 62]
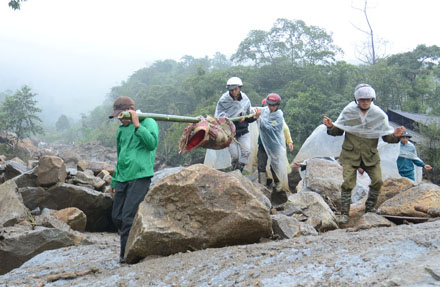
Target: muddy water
[394, 256]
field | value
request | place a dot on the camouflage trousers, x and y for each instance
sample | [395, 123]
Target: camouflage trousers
[349, 173]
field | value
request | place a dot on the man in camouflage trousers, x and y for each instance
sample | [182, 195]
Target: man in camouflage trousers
[363, 124]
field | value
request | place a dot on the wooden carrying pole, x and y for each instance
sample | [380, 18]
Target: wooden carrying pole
[173, 118]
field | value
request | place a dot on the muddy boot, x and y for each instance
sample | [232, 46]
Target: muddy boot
[262, 178]
[371, 201]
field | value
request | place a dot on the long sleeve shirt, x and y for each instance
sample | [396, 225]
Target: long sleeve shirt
[136, 151]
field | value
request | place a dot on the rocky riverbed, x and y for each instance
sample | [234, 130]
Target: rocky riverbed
[403, 255]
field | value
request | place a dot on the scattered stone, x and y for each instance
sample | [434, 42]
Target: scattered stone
[95, 166]
[288, 227]
[88, 178]
[51, 170]
[74, 217]
[12, 208]
[96, 205]
[370, 220]
[312, 205]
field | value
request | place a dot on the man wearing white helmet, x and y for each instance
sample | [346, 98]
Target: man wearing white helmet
[363, 123]
[235, 103]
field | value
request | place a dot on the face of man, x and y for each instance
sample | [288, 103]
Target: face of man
[404, 140]
[364, 104]
[235, 92]
[126, 122]
[273, 108]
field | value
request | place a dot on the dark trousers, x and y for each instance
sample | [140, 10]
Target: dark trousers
[262, 162]
[128, 196]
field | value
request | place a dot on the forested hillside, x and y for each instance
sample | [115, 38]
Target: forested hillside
[292, 59]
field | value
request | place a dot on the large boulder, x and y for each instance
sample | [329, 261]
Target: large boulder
[288, 227]
[96, 205]
[197, 207]
[391, 187]
[20, 243]
[51, 170]
[312, 205]
[12, 208]
[325, 178]
[26, 149]
[73, 216]
[426, 195]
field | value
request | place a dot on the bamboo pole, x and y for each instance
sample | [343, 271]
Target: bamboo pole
[173, 118]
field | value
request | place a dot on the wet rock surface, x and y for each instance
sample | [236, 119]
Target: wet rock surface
[21, 243]
[388, 256]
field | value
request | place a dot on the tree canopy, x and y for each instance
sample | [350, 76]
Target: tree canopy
[19, 113]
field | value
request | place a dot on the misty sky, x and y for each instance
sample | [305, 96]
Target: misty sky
[71, 52]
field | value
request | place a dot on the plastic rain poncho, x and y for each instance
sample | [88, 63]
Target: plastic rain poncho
[229, 108]
[320, 144]
[408, 150]
[272, 136]
[373, 125]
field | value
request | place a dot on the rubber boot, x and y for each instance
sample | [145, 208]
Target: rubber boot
[371, 201]
[262, 178]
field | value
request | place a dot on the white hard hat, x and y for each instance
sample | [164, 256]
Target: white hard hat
[364, 91]
[233, 83]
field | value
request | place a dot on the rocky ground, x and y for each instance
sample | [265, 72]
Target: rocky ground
[403, 255]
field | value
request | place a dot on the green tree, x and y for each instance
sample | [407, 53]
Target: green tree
[15, 4]
[62, 123]
[430, 148]
[291, 39]
[19, 113]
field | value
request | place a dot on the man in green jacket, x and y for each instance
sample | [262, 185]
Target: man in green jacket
[363, 123]
[136, 146]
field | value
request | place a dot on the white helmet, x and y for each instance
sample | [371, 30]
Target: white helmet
[364, 91]
[233, 83]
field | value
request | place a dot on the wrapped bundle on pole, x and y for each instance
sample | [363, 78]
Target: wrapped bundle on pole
[212, 133]
[206, 132]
